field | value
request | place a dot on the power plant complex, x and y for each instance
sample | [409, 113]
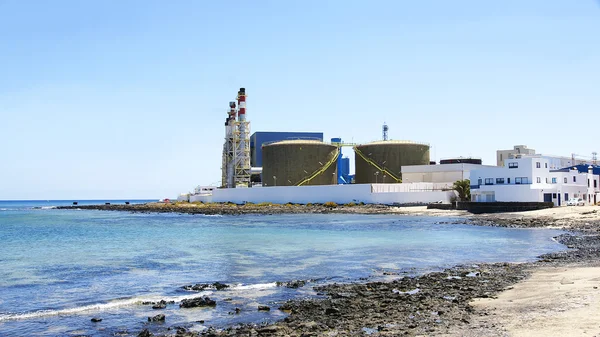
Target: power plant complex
[273, 159]
[302, 167]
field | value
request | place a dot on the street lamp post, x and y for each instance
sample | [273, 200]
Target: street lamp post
[376, 174]
[275, 179]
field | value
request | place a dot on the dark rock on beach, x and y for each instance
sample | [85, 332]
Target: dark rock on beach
[157, 318]
[264, 308]
[197, 302]
[96, 319]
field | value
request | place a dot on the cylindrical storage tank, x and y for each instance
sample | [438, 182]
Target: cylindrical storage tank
[390, 156]
[290, 162]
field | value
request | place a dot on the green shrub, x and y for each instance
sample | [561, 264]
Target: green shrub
[330, 204]
[350, 204]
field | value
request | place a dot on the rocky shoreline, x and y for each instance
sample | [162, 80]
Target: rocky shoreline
[234, 209]
[433, 304]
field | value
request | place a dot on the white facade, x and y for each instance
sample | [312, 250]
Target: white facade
[443, 173]
[530, 179]
[341, 194]
[518, 151]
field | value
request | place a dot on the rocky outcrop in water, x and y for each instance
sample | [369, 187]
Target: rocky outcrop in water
[206, 286]
[233, 209]
[157, 318]
[293, 284]
[197, 302]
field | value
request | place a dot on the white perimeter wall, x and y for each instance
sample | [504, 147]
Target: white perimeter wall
[516, 193]
[341, 194]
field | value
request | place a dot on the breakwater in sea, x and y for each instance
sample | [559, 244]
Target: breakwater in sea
[235, 209]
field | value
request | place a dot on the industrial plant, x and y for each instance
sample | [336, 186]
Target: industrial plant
[303, 158]
[301, 167]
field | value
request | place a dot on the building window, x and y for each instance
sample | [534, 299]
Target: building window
[508, 180]
[574, 179]
[538, 180]
[565, 180]
[489, 181]
[538, 165]
[566, 196]
[595, 183]
[546, 165]
[588, 183]
[479, 181]
[554, 180]
[553, 195]
[513, 165]
[521, 180]
[499, 180]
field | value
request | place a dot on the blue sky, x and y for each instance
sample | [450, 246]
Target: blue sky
[126, 99]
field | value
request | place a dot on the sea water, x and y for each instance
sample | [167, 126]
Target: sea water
[59, 268]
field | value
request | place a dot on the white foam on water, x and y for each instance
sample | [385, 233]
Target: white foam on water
[97, 307]
[258, 286]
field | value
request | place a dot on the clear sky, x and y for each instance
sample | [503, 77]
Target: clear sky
[127, 99]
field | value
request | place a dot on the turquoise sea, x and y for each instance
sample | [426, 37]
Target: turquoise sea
[60, 268]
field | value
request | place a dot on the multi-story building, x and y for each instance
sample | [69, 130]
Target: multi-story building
[530, 179]
[502, 155]
[554, 162]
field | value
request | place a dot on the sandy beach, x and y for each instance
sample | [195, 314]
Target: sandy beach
[553, 301]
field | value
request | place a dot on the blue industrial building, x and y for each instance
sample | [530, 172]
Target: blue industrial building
[258, 139]
[582, 168]
[343, 165]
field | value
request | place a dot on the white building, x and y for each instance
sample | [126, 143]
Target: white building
[530, 179]
[518, 151]
[441, 174]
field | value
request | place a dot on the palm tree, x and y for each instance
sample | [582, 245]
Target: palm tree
[463, 188]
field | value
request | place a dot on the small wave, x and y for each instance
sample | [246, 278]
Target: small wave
[96, 307]
[258, 286]
[43, 207]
